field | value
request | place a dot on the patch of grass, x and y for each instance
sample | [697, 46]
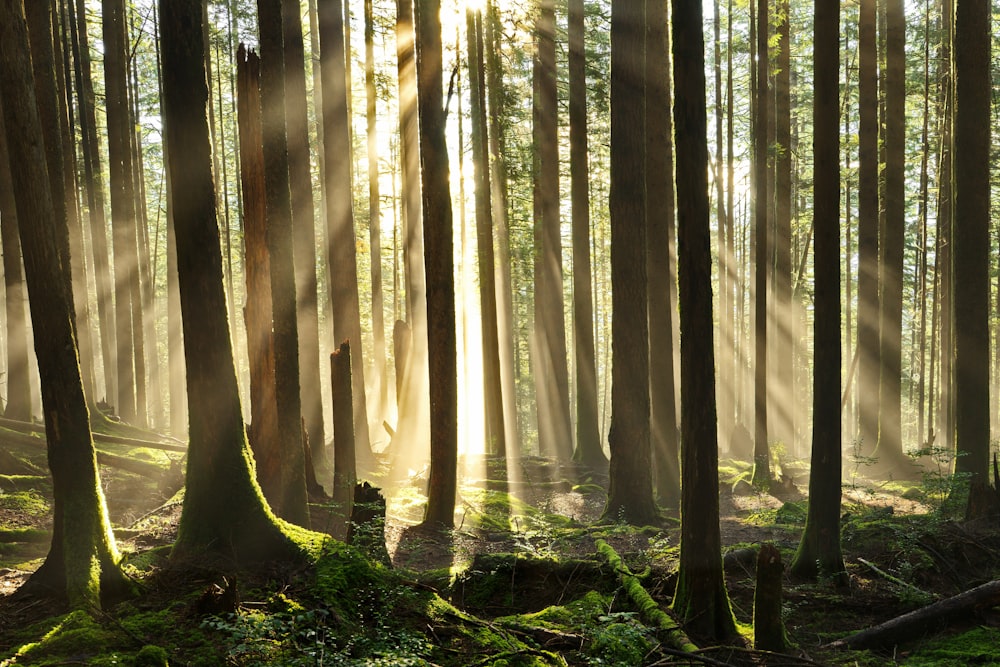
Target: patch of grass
[29, 502]
[974, 647]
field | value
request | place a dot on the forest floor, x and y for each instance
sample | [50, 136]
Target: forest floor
[521, 569]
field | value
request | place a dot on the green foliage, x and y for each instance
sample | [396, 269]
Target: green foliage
[619, 639]
[76, 634]
[974, 647]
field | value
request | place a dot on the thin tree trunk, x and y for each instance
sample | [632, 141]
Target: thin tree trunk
[783, 341]
[761, 454]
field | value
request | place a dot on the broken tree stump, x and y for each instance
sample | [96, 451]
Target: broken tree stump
[768, 628]
[366, 529]
[931, 618]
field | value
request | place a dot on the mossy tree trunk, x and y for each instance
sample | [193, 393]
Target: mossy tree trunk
[701, 600]
[82, 563]
[344, 465]
[224, 512]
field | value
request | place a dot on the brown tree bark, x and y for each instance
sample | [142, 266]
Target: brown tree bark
[660, 265]
[291, 502]
[82, 563]
[700, 599]
[303, 228]
[630, 494]
[344, 466]
[439, 262]
[224, 513]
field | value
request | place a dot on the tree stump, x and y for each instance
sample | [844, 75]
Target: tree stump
[768, 629]
[366, 529]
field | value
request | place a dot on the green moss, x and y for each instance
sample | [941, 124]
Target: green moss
[152, 656]
[791, 513]
[77, 634]
[975, 647]
[26, 502]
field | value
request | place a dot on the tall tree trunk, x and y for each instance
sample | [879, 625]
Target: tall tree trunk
[257, 314]
[659, 169]
[290, 501]
[783, 341]
[588, 437]
[439, 261]
[341, 257]
[498, 184]
[868, 297]
[700, 600]
[122, 201]
[95, 198]
[224, 513]
[413, 406]
[972, 238]
[303, 228]
[555, 433]
[924, 206]
[492, 390]
[890, 444]
[761, 453]
[374, 216]
[944, 255]
[18, 404]
[723, 344]
[819, 550]
[82, 563]
[630, 494]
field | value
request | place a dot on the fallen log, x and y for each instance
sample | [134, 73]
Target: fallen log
[649, 611]
[104, 458]
[30, 427]
[926, 619]
[921, 594]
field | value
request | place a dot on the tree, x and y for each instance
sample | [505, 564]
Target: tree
[659, 263]
[288, 496]
[18, 405]
[700, 600]
[303, 227]
[341, 257]
[761, 453]
[439, 263]
[588, 437]
[496, 439]
[971, 237]
[868, 297]
[890, 444]
[630, 494]
[224, 513]
[819, 550]
[555, 432]
[82, 563]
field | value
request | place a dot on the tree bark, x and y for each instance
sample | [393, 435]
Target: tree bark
[344, 466]
[439, 262]
[224, 513]
[82, 563]
[700, 599]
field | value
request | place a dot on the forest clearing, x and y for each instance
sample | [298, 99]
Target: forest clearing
[520, 581]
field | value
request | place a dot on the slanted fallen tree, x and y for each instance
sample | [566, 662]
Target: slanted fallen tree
[649, 611]
[926, 619]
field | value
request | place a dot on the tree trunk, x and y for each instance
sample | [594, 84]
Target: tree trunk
[344, 467]
[439, 262]
[588, 436]
[122, 201]
[782, 341]
[659, 169]
[555, 433]
[819, 550]
[341, 257]
[18, 404]
[630, 494]
[868, 297]
[82, 563]
[972, 238]
[224, 513]
[292, 503]
[496, 440]
[303, 228]
[761, 451]
[700, 599]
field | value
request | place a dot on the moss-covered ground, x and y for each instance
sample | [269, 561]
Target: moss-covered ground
[517, 582]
